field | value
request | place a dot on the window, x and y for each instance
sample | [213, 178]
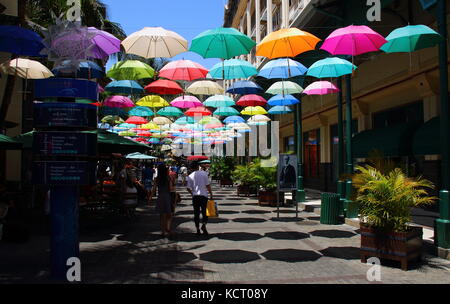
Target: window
[335, 146]
[289, 144]
[311, 153]
[404, 114]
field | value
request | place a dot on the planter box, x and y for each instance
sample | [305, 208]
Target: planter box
[397, 246]
[226, 182]
[269, 198]
[246, 190]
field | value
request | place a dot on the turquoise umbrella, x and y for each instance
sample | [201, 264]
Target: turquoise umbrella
[282, 68]
[185, 120]
[217, 101]
[141, 111]
[233, 69]
[282, 100]
[226, 111]
[124, 87]
[170, 111]
[280, 110]
[411, 38]
[331, 67]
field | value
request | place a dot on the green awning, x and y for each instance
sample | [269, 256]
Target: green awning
[8, 143]
[426, 140]
[392, 141]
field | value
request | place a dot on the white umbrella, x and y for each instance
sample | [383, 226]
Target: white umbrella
[26, 68]
[161, 121]
[205, 87]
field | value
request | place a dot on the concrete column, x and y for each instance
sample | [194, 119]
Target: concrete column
[249, 26]
[284, 13]
[258, 25]
[269, 17]
[325, 144]
[430, 107]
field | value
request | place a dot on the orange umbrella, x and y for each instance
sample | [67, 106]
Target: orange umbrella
[288, 42]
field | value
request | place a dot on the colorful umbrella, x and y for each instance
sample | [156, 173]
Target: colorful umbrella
[282, 68]
[282, 100]
[164, 87]
[222, 43]
[126, 126]
[118, 102]
[86, 69]
[205, 87]
[161, 121]
[105, 43]
[331, 67]
[186, 101]
[258, 110]
[233, 119]
[288, 42]
[170, 111]
[26, 68]
[152, 42]
[353, 40]
[233, 69]
[148, 126]
[154, 141]
[320, 88]
[226, 111]
[251, 100]
[217, 101]
[411, 38]
[130, 70]
[112, 119]
[124, 87]
[186, 70]
[209, 120]
[20, 41]
[280, 110]
[103, 111]
[284, 87]
[198, 111]
[244, 87]
[141, 111]
[197, 157]
[152, 101]
[185, 120]
[136, 120]
[259, 118]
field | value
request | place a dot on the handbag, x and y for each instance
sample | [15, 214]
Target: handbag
[177, 198]
[211, 209]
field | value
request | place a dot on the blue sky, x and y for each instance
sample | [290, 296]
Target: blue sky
[185, 17]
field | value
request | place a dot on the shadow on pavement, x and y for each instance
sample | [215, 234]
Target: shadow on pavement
[229, 256]
[239, 236]
[286, 235]
[333, 234]
[248, 220]
[291, 255]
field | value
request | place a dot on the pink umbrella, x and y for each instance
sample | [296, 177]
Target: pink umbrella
[320, 88]
[136, 120]
[353, 40]
[198, 111]
[118, 101]
[186, 102]
[183, 70]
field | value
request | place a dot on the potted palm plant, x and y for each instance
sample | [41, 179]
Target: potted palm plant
[267, 181]
[222, 169]
[385, 200]
[246, 178]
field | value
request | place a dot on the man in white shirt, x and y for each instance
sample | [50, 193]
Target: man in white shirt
[184, 173]
[198, 186]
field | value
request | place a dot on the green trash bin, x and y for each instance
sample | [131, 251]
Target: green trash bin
[329, 209]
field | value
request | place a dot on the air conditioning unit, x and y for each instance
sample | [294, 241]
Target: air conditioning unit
[427, 4]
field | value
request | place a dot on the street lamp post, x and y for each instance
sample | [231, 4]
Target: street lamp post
[341, 158]
[300, 195]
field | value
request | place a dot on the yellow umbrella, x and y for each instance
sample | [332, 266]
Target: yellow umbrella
[26, 68]
[288, 42]
[152, 101]
[149, 126]
[258, 110]
[205, 87]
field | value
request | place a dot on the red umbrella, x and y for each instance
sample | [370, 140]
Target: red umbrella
[144, 134]
[197, 157]
[251, 100]
[136, 120]
[164, 87]
[183, 70]
[97, 104]
[198, 111]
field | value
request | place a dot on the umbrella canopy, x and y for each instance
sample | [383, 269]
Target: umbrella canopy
[251, 100]
[209, 120]
[282, 100]
[138, 155]
[186, 102]
[321, 88]
[353, 40]
[20, 41]
[148, 126]
[130, 70]
[26, 68]
[185, 120]
[141, 111]
[154, 141]
[111, 111]
[164, 87]
[152, 42]
[197, 157]
[198, 111]
[259, 118]
[282, 68]
[112, 119]
[284, 87]
[127, 125]
[239, 126]
[124, 87]
[186, 70]
[152, 101]
[331, 67]
[217, 101]
[280, 110]
[258, 110]
[104, 43]
[136, 120]
[233, 69]
[288, 42]
[170, 111]
[118, 102]
[86, 69]
[244, 87]
[226, 111]
[233, 119]
[411, 38]
[8, 143]
[161, 121]
[222, 43]
[205, 87]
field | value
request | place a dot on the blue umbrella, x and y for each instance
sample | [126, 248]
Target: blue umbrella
[20, 41]
[233, 69]
[282, 68]
[141, 111]
[282, 100]
[86, 69]
[127, 125]
[331, 67]
[233, 119]
[280, 110]
[124, 87]
[154, 141]
[244, 87]
[104, 111]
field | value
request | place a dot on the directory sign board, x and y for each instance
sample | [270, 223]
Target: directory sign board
[66, 88]
[63, 173]
[69, 115]
[65, 144]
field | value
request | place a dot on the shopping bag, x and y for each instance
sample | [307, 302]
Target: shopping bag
[211, 209]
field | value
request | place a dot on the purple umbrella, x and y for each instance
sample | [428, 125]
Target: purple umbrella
[118, 102]
[105, 43]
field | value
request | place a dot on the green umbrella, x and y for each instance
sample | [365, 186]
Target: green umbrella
[8, 143]
[209, 120]
[170, 111]
[130, 70]
[411, 38]
[222, 43]
[226, 111]
[218, 101]
[284, 88]
[112, 119]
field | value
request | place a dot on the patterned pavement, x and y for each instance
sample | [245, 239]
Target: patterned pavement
[246, 244]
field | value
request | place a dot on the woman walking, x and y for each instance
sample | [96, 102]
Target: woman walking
[163, 202]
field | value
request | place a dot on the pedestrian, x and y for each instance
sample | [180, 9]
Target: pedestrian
[162, 184]
[198, 186]
[127, 183]
[184, 174]
[147, 175]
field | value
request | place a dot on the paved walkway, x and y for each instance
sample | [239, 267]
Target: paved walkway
[247, 244]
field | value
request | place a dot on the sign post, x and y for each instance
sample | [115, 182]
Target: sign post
[287, 176]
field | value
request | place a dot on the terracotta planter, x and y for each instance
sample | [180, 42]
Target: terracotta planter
[226, 182]
[269, 198]
[246, 190]
[397, 246]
